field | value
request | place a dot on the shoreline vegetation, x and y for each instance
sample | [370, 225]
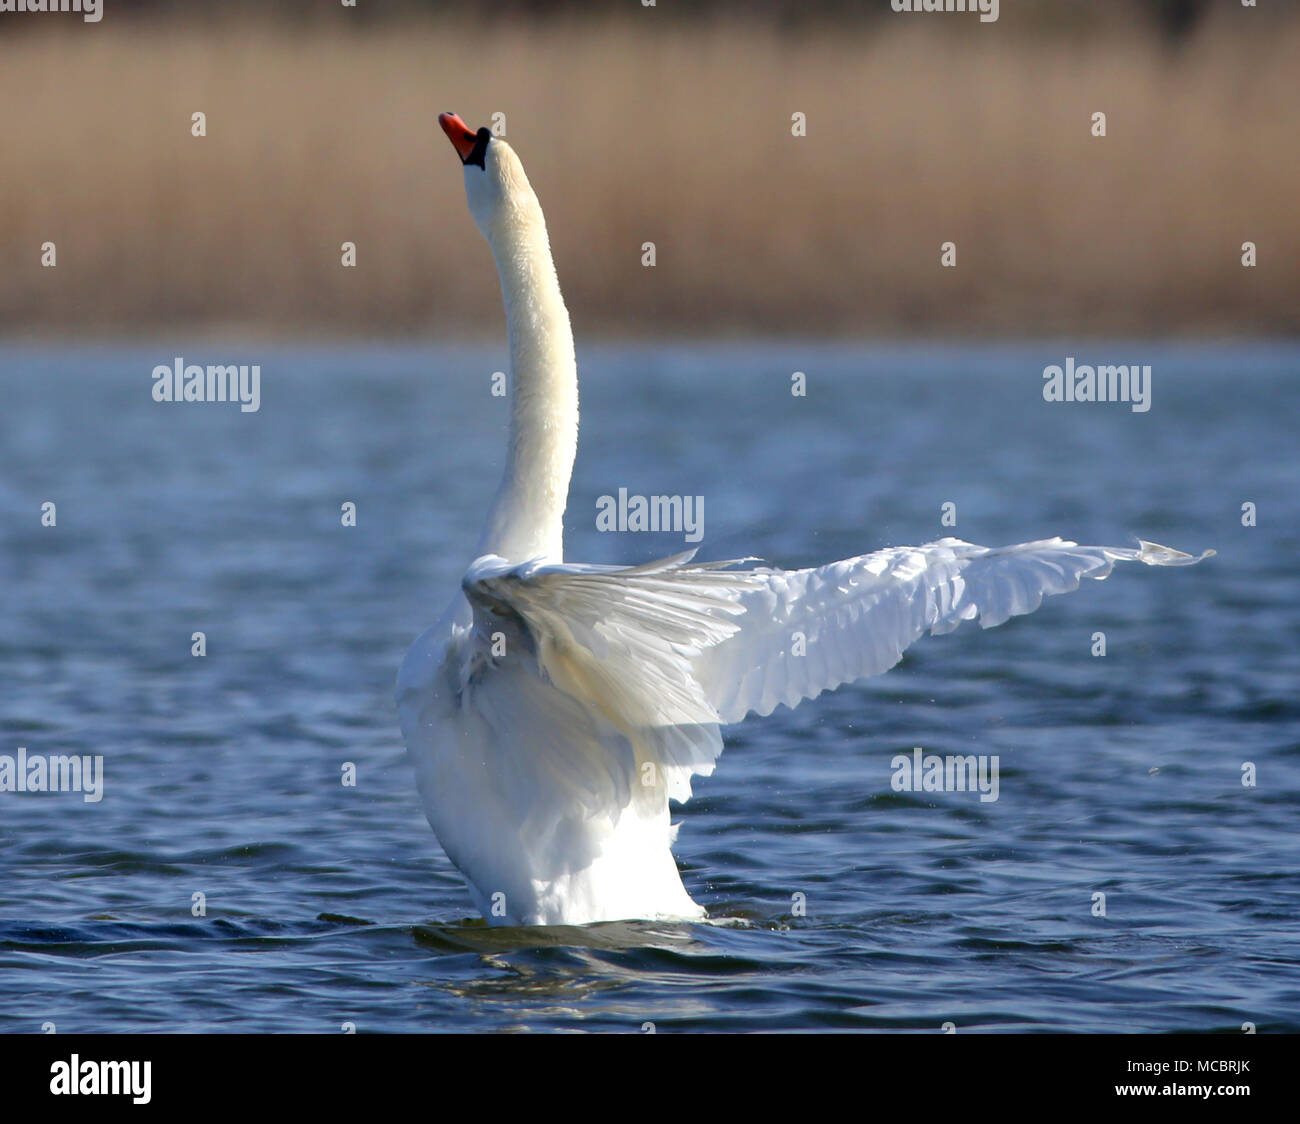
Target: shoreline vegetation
[919, 132]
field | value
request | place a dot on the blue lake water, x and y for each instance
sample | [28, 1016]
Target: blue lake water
[837, 902]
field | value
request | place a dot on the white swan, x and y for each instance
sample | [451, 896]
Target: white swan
[556, 708]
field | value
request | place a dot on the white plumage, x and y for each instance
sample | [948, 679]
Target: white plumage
[556, 708]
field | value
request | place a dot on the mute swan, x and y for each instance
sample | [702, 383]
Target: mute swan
[556, 708]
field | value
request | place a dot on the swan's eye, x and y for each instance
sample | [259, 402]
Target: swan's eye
[479, 151]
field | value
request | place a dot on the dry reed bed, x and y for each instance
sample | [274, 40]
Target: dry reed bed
[916, 136]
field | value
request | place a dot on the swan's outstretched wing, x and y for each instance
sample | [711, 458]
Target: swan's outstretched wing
[808, 631]
[676, 644]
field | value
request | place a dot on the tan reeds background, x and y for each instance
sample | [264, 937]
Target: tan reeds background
[921, 132]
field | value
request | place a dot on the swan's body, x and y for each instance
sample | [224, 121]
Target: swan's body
[555, 709]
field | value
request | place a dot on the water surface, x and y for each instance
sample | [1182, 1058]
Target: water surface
[837, 902]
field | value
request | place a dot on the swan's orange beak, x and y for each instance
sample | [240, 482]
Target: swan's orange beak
[460, 134]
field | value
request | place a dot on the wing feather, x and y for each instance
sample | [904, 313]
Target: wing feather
[667, 651]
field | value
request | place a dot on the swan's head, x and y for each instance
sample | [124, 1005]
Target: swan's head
[498, 191]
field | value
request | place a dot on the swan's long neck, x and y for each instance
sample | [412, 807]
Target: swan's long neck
[527, 517]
